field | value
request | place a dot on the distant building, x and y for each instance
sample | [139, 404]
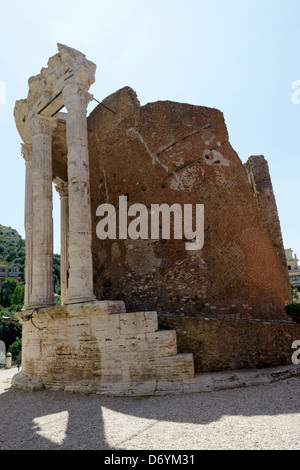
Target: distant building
[294, 273]
[9, 272]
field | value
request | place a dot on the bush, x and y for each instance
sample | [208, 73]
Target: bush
[18, 296]
[15, 350]
[10, 328]
[292, 309]
[7, 290]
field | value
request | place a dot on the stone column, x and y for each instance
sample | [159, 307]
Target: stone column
[42, 221]
[26, 150]
[80, 281]
[62, 189]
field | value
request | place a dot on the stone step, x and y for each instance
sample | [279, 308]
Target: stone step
[160, 343]
[130, 324]
[155, 344]
[100, 307]
[85, 346]
[180, 366]
[177, 367]
[138, 322]
[136, 368]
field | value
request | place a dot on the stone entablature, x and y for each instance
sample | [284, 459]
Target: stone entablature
[45, 89]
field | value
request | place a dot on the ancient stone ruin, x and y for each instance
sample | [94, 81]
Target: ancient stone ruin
[170, 153]
[160, 153]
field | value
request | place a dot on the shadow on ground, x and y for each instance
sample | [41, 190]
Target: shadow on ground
[62, 420]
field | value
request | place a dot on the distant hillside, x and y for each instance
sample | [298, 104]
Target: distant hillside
[12, 252]
[12, 247]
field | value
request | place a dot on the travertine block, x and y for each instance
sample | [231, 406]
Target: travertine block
[86, 348]
[138, 322]
[163, 343]
[176, 367]
[105, 327]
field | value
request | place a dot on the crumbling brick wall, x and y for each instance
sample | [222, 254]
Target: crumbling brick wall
[168, 152]
[259, 177]
[219, 345]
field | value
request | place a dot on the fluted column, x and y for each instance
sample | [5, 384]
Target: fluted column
[80, 281]
[26, 150]
[42, 220]
[62, 189]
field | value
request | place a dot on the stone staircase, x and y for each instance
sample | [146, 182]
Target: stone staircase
[142, 352]
[99, 348]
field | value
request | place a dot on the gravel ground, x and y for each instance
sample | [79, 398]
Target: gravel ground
[264, 417]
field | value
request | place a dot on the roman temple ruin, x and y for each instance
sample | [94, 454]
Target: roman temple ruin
[105, 336]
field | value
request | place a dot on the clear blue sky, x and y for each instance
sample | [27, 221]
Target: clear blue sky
[240, 56]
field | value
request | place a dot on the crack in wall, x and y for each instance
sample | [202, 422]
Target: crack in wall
[195, 131]
[154, 157]
[105, 184]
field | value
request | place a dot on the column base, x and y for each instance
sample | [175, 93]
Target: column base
[78, 300]
[39, 305]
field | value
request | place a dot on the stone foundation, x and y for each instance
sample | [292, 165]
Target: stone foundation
[220, 345]
[98, 347]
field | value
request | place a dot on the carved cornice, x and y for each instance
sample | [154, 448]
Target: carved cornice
[69, 66]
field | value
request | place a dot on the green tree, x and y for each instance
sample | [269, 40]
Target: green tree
[12, 248]
[10, 328]
[18, 296]
[7, 290]
[56, 273]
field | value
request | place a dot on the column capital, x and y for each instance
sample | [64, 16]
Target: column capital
[42, 125]
[26, 151]
[62, 189]
[74, 95]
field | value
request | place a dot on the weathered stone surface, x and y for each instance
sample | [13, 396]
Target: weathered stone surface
[91, 347]
[199, 384]
[80, 273]
[219, 345]
[167, 152]
[28, 220]
[259, 176]
[44, 94]
[41, 255]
